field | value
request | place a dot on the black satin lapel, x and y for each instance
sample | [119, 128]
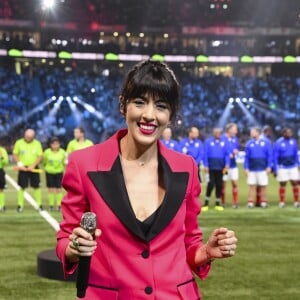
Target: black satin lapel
[111, 187]
[176, 185]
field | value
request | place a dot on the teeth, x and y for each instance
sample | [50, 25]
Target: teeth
[147, 127]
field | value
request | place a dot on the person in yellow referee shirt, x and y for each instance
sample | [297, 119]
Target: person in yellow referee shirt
[3, 162]
[27, 154]
[54, 160]
[79, 141]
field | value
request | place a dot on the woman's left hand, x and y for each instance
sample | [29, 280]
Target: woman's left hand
[222, 243]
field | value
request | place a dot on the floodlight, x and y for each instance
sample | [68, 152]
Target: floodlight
[48, 3]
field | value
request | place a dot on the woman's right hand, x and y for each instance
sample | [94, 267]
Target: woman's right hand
[81, 243]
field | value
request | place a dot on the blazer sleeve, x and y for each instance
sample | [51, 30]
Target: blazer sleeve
[194, 235]
[73, 205]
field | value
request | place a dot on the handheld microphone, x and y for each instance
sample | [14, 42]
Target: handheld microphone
[88, 223]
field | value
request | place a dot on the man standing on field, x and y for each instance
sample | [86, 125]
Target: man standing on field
[232, 144]
[192, 145]
[79, 141]
[27, 154]
[257, 165]
[286, 165]
[216, 161]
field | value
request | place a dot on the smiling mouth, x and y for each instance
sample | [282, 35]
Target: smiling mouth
[147, 128]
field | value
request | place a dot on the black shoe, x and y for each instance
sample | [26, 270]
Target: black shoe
[2, 209]
[41, 208]
[19, 209]
[51, 208]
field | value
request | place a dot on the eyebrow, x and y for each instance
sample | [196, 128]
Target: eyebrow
[155, 100]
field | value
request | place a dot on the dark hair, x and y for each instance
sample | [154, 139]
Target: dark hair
[154, 78]
[81, 129]
[285, 130]
[54, 139]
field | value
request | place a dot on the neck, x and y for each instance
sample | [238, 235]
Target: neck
[132, 152]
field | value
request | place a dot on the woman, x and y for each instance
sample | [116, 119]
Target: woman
[54, 159]
[146, 198]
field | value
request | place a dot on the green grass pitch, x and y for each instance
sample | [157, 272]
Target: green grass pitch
[266, 264]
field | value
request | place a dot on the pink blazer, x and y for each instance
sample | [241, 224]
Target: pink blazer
[129, 265]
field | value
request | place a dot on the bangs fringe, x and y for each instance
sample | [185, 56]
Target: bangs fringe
[154, 84]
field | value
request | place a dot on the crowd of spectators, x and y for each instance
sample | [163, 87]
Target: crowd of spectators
[54, 102]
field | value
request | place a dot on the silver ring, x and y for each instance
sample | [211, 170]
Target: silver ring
[75, 243]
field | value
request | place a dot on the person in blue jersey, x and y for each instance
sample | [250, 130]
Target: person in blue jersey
[257, 165]
[166, 139]
[267, 134]
[216, 162]
[232, 144]
[192, 145]
[286, 164]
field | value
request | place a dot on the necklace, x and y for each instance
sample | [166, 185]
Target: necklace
[135, 161]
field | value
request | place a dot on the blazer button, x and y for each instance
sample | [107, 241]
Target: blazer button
[148, 290]
[145, 254]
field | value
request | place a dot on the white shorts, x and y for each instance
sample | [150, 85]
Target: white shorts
[258, 178]
[233, 174]
[284, 175]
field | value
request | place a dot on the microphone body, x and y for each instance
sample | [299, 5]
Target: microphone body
[88, 223]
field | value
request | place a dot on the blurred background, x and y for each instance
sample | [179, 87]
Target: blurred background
[62, 63]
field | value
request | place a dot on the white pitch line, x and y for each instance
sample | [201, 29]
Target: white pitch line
[33, 203]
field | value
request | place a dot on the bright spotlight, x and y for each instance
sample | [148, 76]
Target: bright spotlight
[231, 100]
[237, 100]
[216, 43]
[90, 109]
[48, 3]
[105, 72]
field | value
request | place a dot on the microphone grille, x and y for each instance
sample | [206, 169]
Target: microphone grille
[88, 222]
